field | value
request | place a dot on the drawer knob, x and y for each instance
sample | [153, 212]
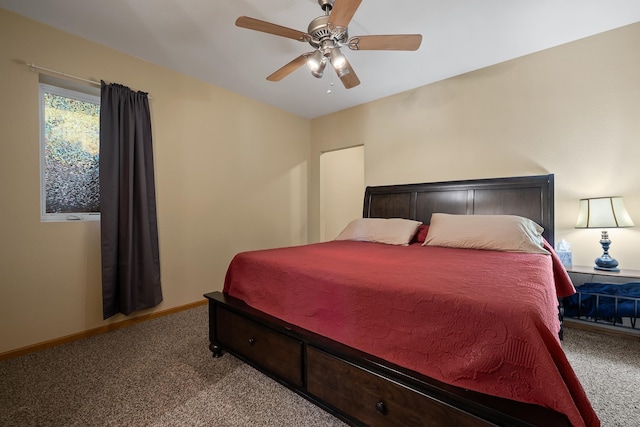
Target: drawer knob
[380, 407]
[252, 341]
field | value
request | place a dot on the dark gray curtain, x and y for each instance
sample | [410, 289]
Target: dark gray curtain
[129, 231]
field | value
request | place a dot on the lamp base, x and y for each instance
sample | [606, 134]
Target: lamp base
[612, 269]
[605, 262]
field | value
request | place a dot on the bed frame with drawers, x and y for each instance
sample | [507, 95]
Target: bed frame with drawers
[362, 389]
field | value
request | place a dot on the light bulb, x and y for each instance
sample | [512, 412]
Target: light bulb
[316, 63]
[339, 61]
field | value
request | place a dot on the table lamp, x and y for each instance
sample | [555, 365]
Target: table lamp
[604, 212]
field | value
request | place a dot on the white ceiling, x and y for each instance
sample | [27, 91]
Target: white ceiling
[199, 38]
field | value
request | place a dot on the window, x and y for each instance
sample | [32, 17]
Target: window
[69, 152]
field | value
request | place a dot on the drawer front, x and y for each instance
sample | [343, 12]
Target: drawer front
[267, 348]
[374, 400]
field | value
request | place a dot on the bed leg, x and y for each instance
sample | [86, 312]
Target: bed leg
[215, 350]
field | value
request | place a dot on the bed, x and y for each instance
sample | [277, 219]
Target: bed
[376, 347]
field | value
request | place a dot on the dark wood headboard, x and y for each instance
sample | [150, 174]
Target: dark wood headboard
[527, 196]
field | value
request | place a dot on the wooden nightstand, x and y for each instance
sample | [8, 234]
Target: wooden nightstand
[583, 274]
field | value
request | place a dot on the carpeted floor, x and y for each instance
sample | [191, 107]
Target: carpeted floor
[157, 373]
[609, 370]
[161, 373]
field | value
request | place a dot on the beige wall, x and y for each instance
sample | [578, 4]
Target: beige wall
[573, 111]
[231, 175]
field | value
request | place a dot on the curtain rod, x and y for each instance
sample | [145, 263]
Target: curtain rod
[32, 66]
[93, 82]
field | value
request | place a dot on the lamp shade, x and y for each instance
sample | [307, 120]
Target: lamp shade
[603, 212]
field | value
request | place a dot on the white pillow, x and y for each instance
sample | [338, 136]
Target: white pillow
[492, 232]
[391, 231]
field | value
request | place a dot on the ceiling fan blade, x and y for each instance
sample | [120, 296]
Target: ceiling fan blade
[347, 75]
[268, 27]
[390, 42]
[288, 69]
[342, 12]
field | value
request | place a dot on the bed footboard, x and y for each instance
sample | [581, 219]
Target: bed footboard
[355, 387]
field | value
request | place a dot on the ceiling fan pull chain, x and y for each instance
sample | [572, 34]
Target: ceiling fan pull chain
[330, 83]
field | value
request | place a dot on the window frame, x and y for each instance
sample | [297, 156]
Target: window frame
[67, 90]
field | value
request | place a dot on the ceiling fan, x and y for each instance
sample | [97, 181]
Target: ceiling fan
[327, 34]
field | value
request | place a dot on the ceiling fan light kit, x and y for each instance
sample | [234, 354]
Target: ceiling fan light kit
[339, 61]
[327, 34]
[316, 63]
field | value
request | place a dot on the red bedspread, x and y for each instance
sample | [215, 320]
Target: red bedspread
[481, 320]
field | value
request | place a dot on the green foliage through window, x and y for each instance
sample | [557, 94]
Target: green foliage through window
[71, 141]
